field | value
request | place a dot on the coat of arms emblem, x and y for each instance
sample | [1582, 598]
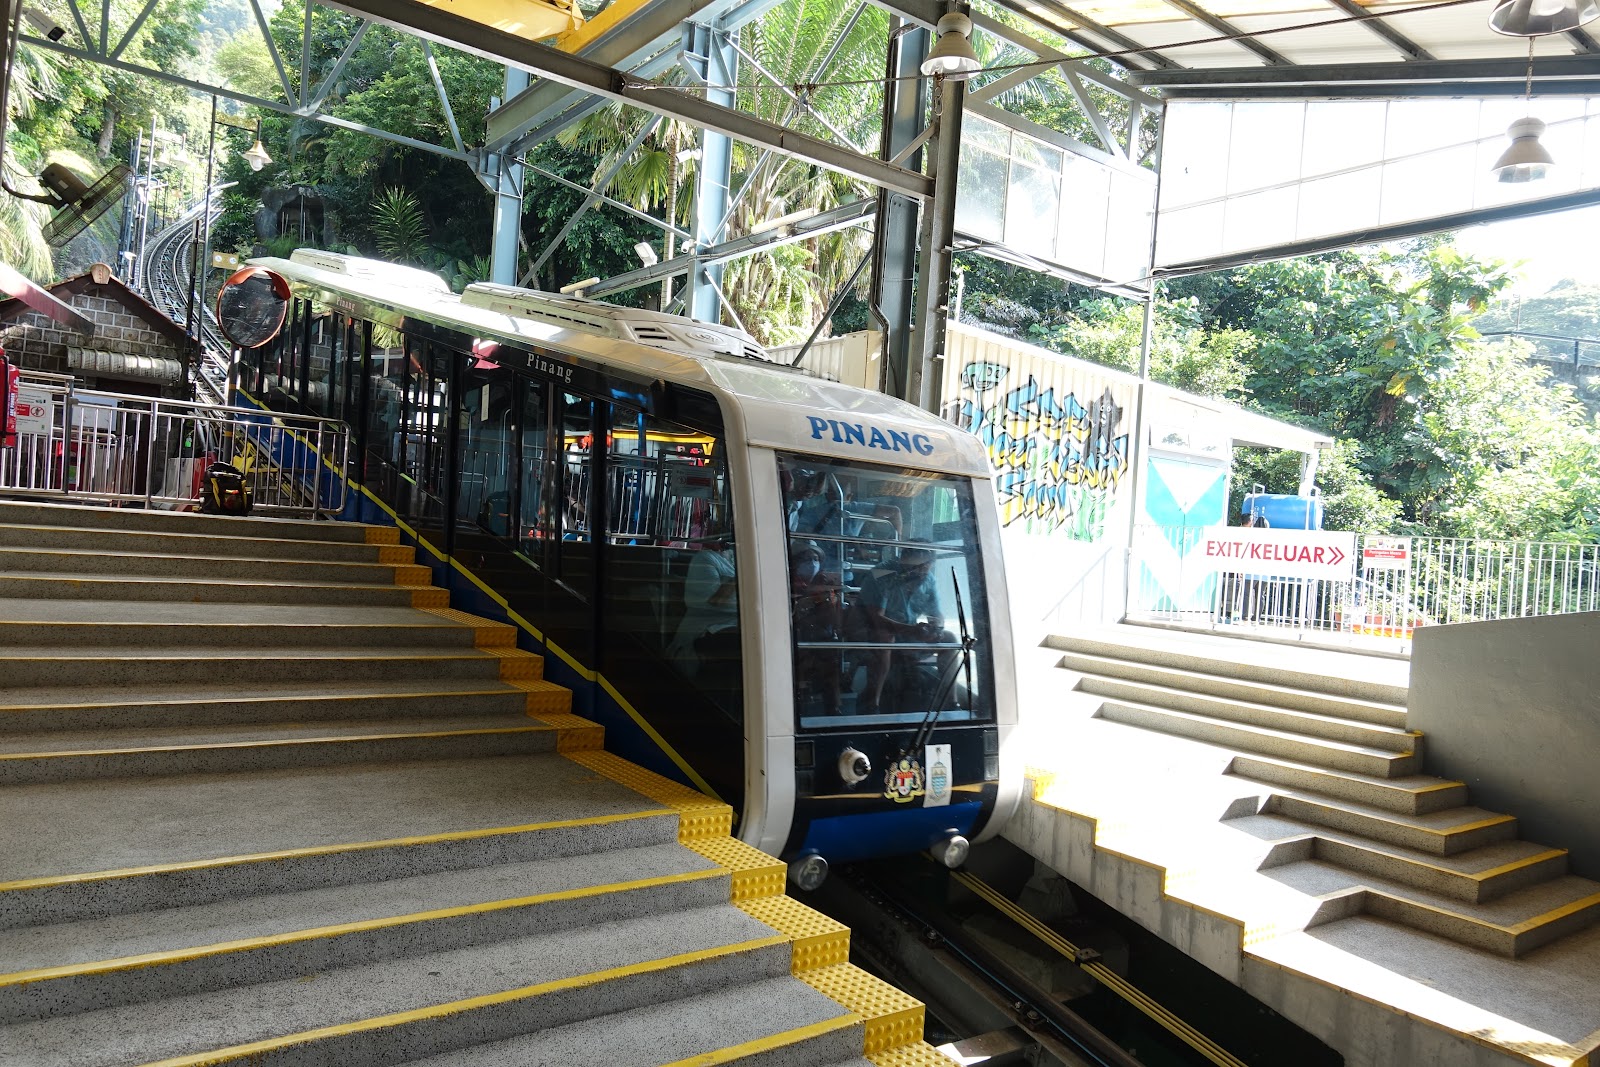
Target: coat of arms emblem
[902, 782]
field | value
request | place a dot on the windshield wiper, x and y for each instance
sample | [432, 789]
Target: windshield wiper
[947, 680]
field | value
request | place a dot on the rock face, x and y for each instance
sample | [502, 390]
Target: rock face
[302, 210]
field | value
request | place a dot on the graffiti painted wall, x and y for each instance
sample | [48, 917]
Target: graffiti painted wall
[1057, 432]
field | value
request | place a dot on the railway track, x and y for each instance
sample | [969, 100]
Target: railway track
[164, 281]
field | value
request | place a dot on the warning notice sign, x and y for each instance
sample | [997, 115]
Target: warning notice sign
[1278, 553]
[1386, 553]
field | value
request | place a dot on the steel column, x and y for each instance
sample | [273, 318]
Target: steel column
[905, 109]
[506, 174]
[713, 57]
[923, 385]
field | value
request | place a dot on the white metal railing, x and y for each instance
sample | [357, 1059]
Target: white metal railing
[1393, 586]
[113, 448]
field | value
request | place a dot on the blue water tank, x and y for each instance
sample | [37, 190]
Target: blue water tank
[1285, 511]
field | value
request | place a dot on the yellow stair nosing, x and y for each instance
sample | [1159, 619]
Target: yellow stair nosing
[276, 742]
[892, 1018]
[256, 1050]
[914, 1054]
[246, 699]
[755, 1046]
[88, 877]
[173, 956]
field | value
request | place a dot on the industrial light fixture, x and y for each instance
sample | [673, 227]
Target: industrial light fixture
[257, 156]
[1535, 18]
[646, 253]
[952, 55]
[1525, 159]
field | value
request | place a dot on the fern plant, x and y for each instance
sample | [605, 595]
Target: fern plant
[398, 226]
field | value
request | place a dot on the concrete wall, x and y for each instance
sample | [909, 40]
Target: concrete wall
[1512, 708]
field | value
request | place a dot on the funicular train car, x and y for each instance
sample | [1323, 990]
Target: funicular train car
[783, 590]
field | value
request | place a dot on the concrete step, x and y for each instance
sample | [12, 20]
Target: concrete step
[1381, 763]
[128, 959]
[1280, 696]
[72, 586]
[223, 542]
[22, 513]
[1441, 833]
[1312, 724]
[1276, 666]
[1415, 794]
[29, 759]
[141, 844]
[39, 710]
[177, 635]
[106, 622]
[1474, 877]
[389, 1011]
[86, 562]
[777, 1022]
[44, 665]
[1512, 925]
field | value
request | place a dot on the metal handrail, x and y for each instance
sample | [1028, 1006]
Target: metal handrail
[1442, 580]
[117, 448]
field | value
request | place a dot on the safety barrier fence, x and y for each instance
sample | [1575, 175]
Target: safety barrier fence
[1378, 592]
[89, 446]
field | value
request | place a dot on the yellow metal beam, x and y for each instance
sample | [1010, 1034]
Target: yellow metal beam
[533, 19]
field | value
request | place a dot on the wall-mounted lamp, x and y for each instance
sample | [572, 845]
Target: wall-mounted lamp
[952, 55]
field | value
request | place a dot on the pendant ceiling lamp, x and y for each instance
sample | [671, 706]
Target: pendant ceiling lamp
[1535, 18]
[952, 54]
[1525, 159]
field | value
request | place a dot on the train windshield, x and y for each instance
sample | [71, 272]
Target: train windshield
[886, 592]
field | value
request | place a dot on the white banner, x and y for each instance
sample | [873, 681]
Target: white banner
[1270, 553]
[34, 414]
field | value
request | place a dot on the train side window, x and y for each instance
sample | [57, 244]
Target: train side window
[666, 501]
[484, 418]
[885, 581]
[537, 523]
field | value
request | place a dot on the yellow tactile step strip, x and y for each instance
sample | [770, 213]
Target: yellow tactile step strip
[892, 1020]
[519, 668]
[383, 535]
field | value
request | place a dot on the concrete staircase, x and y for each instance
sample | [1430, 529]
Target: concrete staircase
[1350, 816]
[265, 799]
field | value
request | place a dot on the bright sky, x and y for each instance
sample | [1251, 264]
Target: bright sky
[1554, 246]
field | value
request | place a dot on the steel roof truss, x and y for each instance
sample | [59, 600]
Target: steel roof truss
[1223, 26]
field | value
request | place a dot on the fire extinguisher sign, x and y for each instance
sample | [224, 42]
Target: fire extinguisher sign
[10, 384]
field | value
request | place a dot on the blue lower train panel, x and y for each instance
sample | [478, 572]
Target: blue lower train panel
[845, 838]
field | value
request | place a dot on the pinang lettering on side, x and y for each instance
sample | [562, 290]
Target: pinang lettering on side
[868, 436]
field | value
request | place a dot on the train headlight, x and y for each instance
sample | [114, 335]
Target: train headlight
[809, 871]
[951, 851]
[853, 766]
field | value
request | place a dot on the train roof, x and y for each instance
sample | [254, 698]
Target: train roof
[777, 406]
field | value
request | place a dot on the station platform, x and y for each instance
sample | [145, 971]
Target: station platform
[265, 799]
[1264, 808]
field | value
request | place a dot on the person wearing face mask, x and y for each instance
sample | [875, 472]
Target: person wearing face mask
[814, 598]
